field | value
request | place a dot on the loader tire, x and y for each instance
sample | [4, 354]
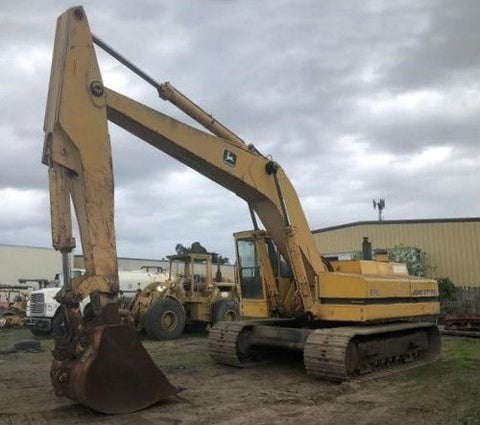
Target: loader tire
[225, 311]
[165, 319]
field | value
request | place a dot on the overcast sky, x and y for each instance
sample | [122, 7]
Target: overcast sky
[357, 100]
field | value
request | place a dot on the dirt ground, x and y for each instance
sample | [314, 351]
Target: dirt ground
[274, 392]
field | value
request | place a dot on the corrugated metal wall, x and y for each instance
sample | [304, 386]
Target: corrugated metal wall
[452, 246]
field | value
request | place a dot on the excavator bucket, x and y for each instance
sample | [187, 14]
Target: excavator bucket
[113, 372]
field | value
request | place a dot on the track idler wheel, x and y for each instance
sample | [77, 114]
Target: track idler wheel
[108, 369]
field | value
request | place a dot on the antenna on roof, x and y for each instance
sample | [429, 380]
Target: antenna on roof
[380, 205]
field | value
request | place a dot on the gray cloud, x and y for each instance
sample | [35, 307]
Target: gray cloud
[356, 100]
[447, 49]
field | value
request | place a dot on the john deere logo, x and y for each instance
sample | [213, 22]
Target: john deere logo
[229, 158]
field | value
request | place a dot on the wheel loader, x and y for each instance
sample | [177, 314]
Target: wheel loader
[13, 313]
[186, 298]
[348, 319]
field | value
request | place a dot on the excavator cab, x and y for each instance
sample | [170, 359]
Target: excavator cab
[250, 270]
[264, 276]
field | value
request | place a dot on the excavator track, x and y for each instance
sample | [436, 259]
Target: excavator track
[235, 343]
[225, 343]
[369, 352]
[335, 354]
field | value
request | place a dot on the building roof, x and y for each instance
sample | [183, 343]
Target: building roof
[7, 245]
[383, 222]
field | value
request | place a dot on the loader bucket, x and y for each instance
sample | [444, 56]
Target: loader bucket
[114, 375]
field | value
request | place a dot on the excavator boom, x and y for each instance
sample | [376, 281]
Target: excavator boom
[238, 168]
[270, 203]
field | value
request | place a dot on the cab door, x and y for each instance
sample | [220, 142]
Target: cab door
[250, 276]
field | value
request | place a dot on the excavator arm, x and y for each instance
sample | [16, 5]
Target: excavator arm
[98, 361]
[78, 154]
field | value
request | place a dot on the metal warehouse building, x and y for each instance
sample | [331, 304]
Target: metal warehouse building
[125, 263]
[452, 245]
[27, 262]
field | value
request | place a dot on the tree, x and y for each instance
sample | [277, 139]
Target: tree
[195, 248]
[180, 249]
[219, 259]
[198, 248]
[415, 259]
[446, 288]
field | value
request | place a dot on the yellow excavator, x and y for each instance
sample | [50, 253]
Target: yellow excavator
[347, 318]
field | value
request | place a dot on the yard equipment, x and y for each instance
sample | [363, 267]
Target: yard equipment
[186, 298]
[466, 324]
[14, 313]
[348, 318]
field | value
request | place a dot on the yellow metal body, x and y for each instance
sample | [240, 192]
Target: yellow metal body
[78, 153]
[282, 276]
[249, 179]
[357, 291]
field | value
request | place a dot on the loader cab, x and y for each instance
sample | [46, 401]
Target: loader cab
[260, 269]
[193, 271]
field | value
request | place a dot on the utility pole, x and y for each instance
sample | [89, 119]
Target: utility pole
[380, 205]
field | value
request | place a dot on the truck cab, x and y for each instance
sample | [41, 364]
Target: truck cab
[42, 307]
